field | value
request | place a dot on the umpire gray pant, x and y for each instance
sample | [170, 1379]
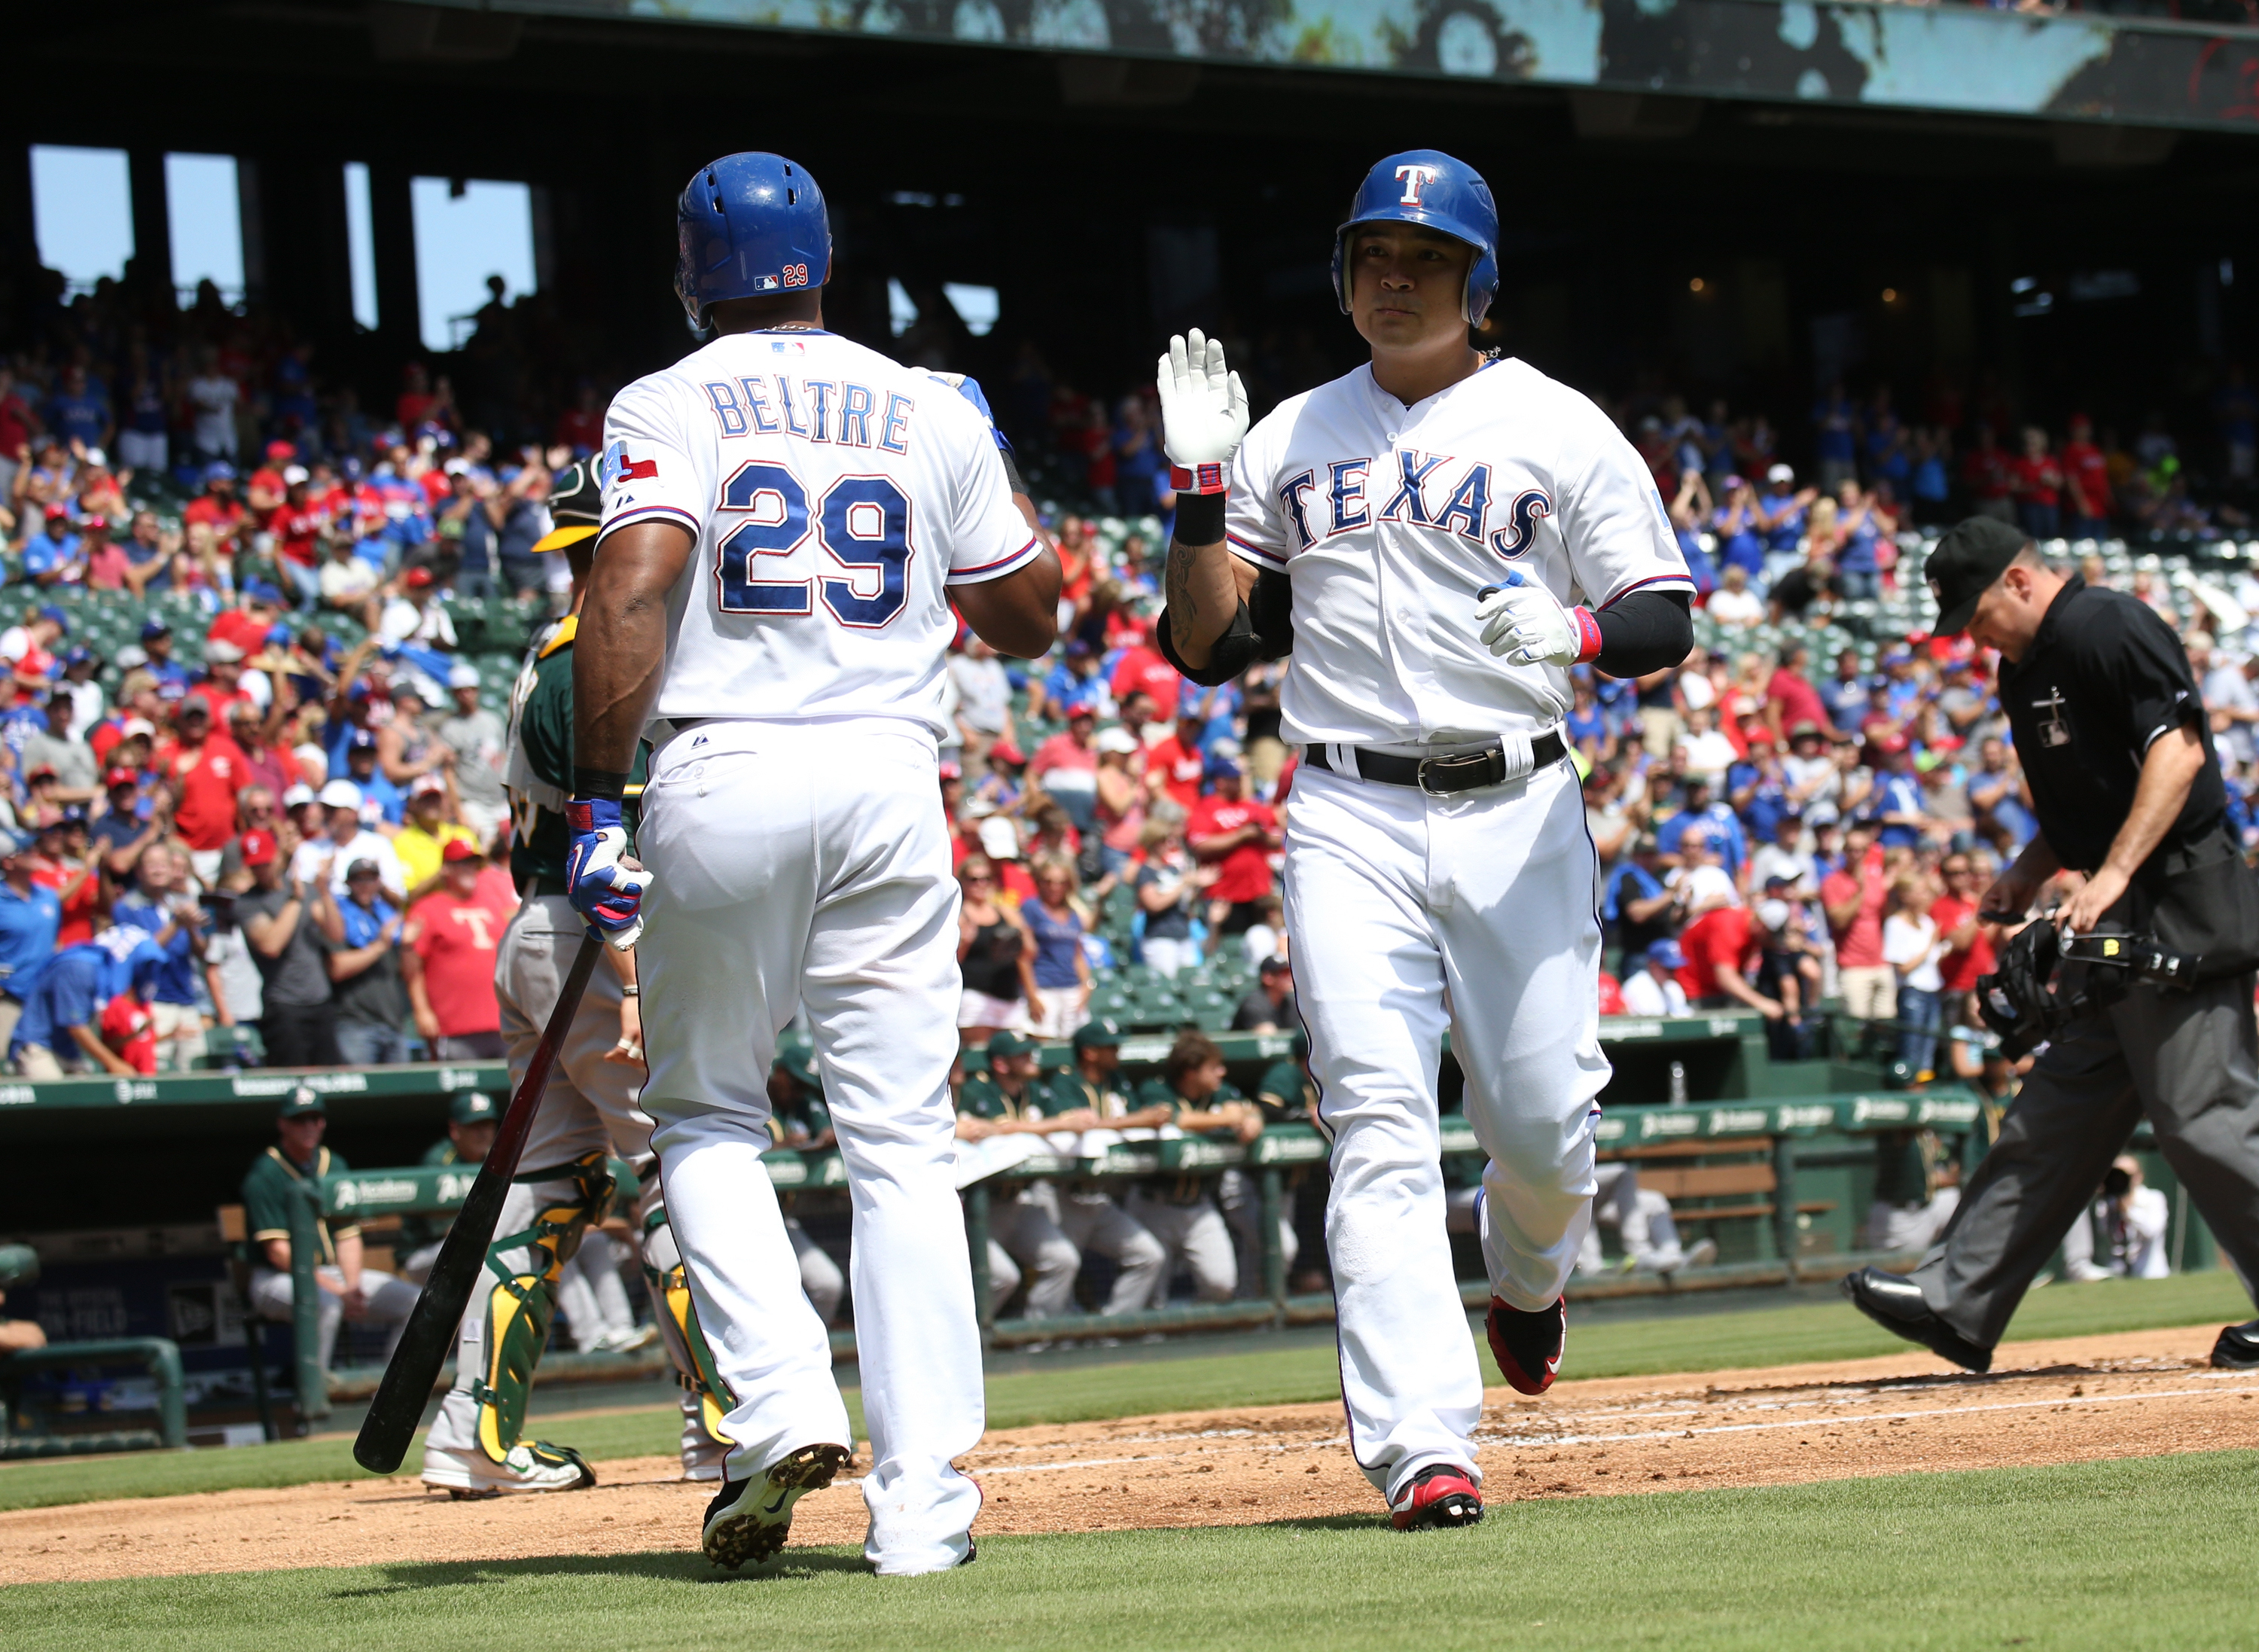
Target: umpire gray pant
[2190, 1062]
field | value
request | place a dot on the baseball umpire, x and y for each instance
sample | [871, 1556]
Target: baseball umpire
[590, 1111]
[2117, 751]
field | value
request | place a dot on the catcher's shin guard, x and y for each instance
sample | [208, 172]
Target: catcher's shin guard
[665, 1277]
[523, 1301]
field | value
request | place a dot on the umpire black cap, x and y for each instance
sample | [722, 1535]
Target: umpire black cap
[1967, 560]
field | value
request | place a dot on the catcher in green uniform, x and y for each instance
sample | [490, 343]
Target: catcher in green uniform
[589, 1112]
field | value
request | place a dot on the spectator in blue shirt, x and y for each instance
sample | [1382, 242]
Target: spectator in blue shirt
[78, 411]
[1640, 910]
[1845, 694]
[51, 554]
[30, 915]
[173, 678]
[376, 791]
[1897, 806]
[1782, 512]
[158, 905]
[1702, 809]
[61, 1027]
[1835, 437]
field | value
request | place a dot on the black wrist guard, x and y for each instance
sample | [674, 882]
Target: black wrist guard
[599, 783]
[1200, 518]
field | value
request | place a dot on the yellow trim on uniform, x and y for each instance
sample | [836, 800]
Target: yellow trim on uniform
[557, 538]
[567, 629]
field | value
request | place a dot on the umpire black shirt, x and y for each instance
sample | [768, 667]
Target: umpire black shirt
[2103, 679]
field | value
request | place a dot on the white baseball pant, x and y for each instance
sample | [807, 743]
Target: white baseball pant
[1410, 914]
[1094, 1224]
[591, 1105]
[805, 864]
[1240, 1194]
[1022, 1232]
[1195, 1235]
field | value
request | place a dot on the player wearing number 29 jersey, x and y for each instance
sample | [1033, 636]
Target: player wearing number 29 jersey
[836, 496]
[788, 519]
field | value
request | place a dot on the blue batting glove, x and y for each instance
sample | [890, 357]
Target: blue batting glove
[604, 883]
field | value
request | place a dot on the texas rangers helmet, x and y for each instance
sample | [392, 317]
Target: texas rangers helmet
[1426, 185]
[749, 226]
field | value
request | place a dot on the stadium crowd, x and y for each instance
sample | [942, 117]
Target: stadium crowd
[273, 812]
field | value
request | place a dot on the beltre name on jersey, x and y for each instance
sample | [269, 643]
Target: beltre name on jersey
[1390, 521]
[795, 458]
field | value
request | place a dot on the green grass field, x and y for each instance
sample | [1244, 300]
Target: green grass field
[1613, 1348]
[2148, 1553]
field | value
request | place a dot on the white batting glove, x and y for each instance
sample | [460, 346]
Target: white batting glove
[1203, 406]
[1527, 624]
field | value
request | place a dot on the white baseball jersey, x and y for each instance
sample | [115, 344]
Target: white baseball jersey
[1390, 519]
[836, 495]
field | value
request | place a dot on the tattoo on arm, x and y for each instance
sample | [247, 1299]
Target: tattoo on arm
[1178, 583]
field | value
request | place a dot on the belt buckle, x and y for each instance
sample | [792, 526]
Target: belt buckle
[1420, 775]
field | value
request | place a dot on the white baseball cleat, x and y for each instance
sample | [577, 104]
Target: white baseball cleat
[536, 1466]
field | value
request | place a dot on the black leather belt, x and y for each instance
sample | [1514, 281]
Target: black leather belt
[1444, 776]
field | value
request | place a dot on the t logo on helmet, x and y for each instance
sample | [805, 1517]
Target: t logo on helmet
[1416, 178]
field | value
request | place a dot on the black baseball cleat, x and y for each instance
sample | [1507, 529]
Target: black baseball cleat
[2238, 1347]
[1896, 1305]
[1443, 1495]
[749, 1520]
[1528, 1346]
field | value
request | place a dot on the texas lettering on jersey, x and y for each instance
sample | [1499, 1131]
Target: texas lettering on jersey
[1429, 490]
[1390, 520]
[835, 496]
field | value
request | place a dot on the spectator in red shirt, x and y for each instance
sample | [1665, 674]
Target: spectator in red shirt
[1141, 667]
[1853, 899]
[270, 483]
[2086, 482]
[206, 771]
[2039, 487]
[1175, 768]
[217, 507]
[1989, 473]
[298, 526]
[1968, 949]
[62, 865]
[1237, 836]
[1719, 947]
[580, 427]
[447, 954]
[1790, 697]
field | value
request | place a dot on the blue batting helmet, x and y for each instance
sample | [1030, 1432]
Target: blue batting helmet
[1426, 185]
[748, 226]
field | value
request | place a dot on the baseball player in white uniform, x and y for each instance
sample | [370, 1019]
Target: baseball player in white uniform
[788, 518]
[1435, 538]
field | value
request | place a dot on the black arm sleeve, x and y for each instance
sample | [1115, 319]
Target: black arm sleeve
[1645, 631]
[1262, 629]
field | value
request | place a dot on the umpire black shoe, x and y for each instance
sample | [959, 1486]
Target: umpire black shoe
[2238, 1347]
[1896, 1305]
[749, 1520]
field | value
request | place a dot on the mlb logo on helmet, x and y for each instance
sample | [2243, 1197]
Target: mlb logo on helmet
[749, 225]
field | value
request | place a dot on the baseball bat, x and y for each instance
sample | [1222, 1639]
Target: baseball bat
[414, 1368]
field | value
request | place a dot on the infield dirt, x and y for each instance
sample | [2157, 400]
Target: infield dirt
[2138, 1393]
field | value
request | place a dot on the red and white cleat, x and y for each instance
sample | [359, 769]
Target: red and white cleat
[1528, 1346]
[1444, 1495]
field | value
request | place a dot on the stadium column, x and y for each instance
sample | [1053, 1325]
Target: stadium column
[153, 219]
[392, 228]
[19, 256]
[301, 206]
